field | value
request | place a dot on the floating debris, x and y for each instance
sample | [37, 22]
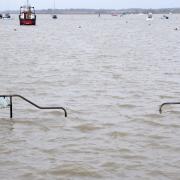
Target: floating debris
[4, 102]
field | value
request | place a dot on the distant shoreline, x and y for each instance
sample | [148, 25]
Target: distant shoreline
[103, 11]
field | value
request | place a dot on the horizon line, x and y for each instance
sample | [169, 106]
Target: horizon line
[115, 9]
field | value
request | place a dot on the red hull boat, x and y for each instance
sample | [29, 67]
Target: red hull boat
[27, 15]
[27, 22]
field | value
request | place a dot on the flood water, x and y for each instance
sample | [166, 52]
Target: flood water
[111, 74]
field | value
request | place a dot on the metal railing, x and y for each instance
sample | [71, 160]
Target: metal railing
[168, 103]
[30, 102]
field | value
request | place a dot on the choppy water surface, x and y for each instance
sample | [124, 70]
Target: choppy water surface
[111, 74]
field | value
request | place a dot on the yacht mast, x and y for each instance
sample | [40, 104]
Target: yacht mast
[54, 5]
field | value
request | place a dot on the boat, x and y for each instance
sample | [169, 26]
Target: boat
[150, 17]
[54, 16]
[165, 17]
[27, 15]
[6, 16]
[114, 14]
[123, 14]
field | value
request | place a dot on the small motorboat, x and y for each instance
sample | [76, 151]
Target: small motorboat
[27, 15]
[1, 16]
[54, 16]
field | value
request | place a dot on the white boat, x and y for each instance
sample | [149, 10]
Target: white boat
[6, 16]
[150, 17]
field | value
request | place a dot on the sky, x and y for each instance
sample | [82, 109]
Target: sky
[90, 4]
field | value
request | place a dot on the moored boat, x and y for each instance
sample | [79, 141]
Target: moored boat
[54, 16]
[165, 17]
[114, 14]
[7, 16]
[150, 17]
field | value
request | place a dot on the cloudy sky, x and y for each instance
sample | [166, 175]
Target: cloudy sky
[108, 4]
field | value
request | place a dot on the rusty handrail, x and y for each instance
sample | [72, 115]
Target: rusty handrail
[30, 102]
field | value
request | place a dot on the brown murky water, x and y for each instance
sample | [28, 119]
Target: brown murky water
[111, 74]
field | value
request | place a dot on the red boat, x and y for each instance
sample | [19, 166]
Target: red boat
[114, 14]
[27, 15]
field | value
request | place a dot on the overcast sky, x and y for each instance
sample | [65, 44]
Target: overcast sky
[108, 4]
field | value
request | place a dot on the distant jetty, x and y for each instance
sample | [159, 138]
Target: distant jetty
[104, 11]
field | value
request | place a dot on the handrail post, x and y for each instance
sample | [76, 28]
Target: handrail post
[11, 108]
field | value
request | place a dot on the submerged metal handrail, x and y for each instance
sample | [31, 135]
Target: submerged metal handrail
[30, 102]
[168, 103]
